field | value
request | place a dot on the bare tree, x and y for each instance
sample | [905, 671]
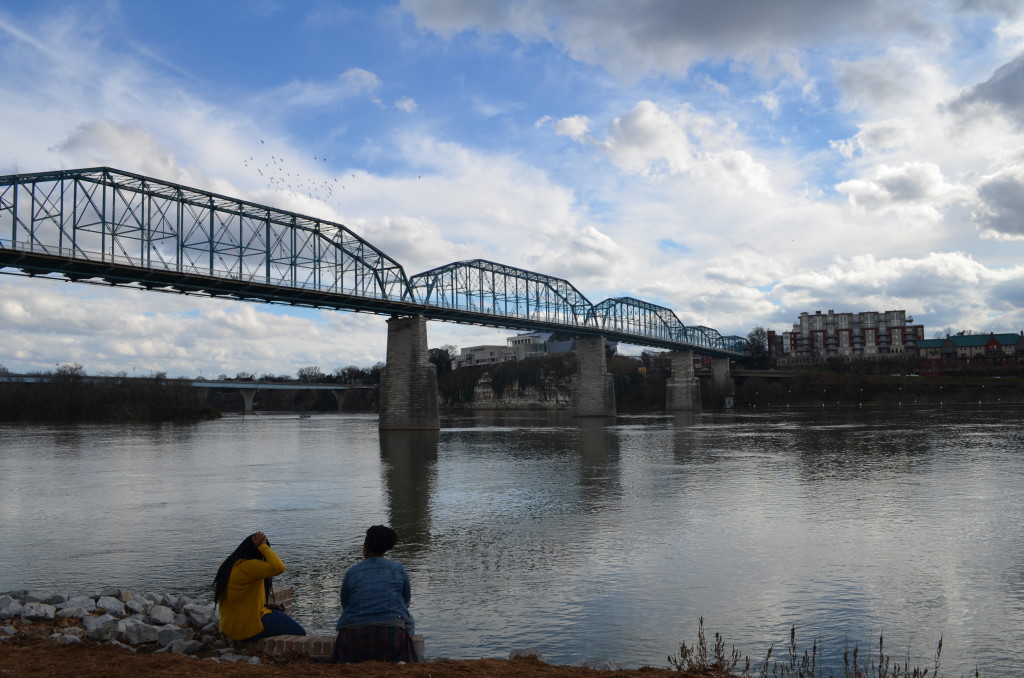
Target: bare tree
[310, 374]
[757, 343]
[70, 370]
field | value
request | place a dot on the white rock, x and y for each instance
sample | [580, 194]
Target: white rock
[606, 664]
[69, 639]
[122, 594]
[138, 605]
[199, 615]
[43, 597]
[185, 646]
[85, 602]
[168, 634]
[100, 628]
[160, 615]
[135, 632]
[111, 605]
[7, 630]
[38, 611]
[9, 607]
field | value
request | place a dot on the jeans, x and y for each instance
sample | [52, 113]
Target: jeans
[277, 623]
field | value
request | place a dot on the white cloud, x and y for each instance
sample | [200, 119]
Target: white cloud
[999, 210]
[104, 142]
[631, 39]
[878, 136]
[648, 140]
[941, 289]
[48, 323]
[770, 101]
[407, 104]
[1001, 94]
[354, 82]
[576, 126]
[655, 143]
[916, 184]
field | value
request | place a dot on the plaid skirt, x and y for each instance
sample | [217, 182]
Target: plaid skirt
[374, 643]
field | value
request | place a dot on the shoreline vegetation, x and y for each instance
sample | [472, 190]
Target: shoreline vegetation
[545, 382]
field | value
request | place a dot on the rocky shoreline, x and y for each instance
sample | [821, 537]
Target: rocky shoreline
[150, 622]
[159, 623]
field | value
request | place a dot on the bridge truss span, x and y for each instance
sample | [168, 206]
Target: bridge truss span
[113, 227]
[484, 287]
[99, 222]
[636, 317]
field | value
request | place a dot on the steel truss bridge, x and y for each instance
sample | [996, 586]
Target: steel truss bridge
[103, 225]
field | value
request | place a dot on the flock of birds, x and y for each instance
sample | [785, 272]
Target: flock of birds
[279, 176]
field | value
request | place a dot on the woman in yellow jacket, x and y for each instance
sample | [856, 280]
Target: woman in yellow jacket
[241, 588]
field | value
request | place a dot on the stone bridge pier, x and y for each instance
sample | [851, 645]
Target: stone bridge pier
[682, 391]
[408, 383]
[593, 393]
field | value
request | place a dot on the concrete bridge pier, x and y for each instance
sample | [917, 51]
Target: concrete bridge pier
[593, 393]
[248, 394]
[682, 392]
[408, 383]
[720, 375]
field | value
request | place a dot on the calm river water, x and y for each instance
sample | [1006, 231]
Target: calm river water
[606, 538]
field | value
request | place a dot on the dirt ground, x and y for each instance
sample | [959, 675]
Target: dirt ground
[35, 655]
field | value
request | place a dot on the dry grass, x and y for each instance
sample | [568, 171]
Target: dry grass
[717, 662]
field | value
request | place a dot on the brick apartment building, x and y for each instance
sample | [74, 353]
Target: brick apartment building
[855, 336]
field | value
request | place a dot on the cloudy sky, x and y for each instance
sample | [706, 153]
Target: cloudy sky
[738, 162]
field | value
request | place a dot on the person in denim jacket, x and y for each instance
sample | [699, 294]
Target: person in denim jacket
[375, 623]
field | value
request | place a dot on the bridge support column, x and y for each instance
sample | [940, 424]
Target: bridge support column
[248, 394]
[408, 383]
[593, 393]
[720, 376]
[682, 392]
[338, 396]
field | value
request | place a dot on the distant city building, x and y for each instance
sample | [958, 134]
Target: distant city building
[867, 335]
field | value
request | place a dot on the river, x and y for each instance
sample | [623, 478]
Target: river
[584, 538]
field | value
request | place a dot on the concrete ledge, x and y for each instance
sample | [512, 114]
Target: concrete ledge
[313, 646]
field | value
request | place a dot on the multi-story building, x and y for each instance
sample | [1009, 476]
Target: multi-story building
[854, 336]
[971, 349]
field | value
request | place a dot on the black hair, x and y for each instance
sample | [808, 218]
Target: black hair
[247, 550]
[380, 539]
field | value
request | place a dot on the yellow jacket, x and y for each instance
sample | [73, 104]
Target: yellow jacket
[246, 601]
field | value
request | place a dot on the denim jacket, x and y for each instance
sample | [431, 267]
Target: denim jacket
[375, 591]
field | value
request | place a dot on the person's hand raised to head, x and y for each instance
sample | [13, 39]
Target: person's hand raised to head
[259, 538]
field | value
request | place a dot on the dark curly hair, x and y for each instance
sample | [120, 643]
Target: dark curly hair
[380, 539]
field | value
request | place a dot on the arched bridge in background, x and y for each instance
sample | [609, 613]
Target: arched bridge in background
[108, 226]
